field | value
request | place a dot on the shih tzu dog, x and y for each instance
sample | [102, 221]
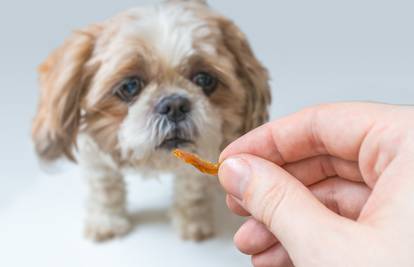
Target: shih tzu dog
[121, 94]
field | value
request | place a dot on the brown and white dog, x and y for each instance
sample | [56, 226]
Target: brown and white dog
[124, 92]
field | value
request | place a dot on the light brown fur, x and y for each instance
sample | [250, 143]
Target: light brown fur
[77, 98]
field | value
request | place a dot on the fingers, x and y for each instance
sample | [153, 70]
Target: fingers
[235, 206]
[342, 197]
[329, 129]
[278, 200]
[253, 237]
[312, 170]
[275, 256]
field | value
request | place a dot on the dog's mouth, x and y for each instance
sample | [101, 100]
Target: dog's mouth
[177, 135]
[175, 142]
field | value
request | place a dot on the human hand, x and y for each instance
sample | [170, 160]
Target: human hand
[329, 186]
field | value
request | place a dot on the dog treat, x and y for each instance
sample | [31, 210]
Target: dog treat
[202, 165]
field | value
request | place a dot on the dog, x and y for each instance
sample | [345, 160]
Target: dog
[121, 94]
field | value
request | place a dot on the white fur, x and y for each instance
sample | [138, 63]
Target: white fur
[107, 216]
[106, 210]
[170, 29]
[141, 131]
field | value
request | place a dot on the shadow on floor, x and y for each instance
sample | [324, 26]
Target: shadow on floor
[226, 223]
[150, 216]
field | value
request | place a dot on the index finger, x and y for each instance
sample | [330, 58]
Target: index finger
[333, 129]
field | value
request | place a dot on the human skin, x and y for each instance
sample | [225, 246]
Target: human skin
[331, 185]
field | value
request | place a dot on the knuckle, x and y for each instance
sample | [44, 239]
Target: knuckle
[271, 202]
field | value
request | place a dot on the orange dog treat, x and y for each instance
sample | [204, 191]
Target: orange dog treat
[202, 165]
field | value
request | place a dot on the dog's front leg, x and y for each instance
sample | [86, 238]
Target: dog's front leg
[106, 212]
[192, 212]
[106, 215]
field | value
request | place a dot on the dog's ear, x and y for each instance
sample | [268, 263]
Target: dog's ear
[251, 73]
[62, 82]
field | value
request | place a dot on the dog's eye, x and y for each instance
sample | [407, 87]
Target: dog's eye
[207, 82]
[129, 88]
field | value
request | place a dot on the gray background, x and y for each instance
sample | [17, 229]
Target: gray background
[316, 52]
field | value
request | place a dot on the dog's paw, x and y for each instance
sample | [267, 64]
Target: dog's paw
[103, 227]
[195, 230]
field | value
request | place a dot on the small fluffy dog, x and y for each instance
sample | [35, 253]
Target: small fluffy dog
[123, 93]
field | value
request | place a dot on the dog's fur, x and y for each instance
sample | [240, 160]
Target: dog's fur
[164, 44]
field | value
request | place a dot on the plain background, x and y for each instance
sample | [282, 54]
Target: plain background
[316, 52]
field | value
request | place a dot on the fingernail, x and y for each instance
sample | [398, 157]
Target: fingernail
[234, 175]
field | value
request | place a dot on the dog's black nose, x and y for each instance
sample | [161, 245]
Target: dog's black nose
[175, 107]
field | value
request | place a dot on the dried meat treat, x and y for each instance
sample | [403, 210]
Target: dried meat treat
[202, 165]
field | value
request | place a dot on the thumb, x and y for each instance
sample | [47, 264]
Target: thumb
[279, 201]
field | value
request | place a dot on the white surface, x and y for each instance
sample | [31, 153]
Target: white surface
[42, 226]
[316, 51]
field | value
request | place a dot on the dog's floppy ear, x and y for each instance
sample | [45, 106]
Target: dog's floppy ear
[62, 80]
[252, 74]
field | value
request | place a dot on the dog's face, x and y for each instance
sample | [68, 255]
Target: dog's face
[150, 80]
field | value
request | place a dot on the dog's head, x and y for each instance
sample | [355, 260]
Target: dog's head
[151, 79]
